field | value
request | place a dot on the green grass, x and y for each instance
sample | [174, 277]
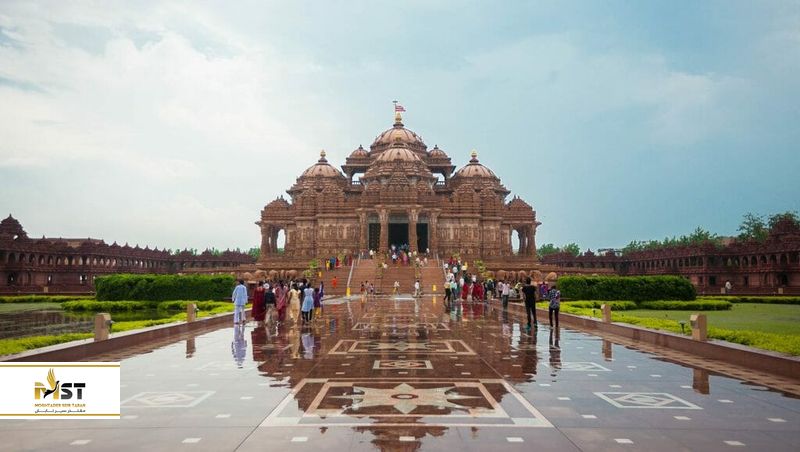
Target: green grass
[43, 298]
[765, 326]
[12, 308]
[766, 318]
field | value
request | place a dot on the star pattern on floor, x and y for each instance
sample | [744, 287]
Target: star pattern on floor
[400, 346]
[405, 398]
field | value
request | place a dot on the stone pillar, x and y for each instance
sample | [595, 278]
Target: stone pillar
[433, 232]
[102, 326]
[363, 238]
[383, 242]
[264, 239]
[534, 254]
[413, 217]
[606, 308]
[191, 312]
[699, 327]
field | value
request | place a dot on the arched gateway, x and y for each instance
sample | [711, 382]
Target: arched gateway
[398, 193]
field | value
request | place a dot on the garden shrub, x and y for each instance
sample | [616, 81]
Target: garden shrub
[616, 305]
[131, 305]
[697, 305]
[163, 287]
[634, 288]
[765, 299]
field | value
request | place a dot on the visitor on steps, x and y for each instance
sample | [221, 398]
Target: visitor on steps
[239, 298]
[396, 287]
[530, 293]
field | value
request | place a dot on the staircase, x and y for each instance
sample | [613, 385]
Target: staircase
[341, 275]
[430, 275]
[404, 274]
[366, 270]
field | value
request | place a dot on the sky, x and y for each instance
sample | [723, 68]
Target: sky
[172, 124]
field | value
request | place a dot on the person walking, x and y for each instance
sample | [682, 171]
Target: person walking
[396, 287]
[555, 304]
[308, 304]
[281, 299]
[530, 293]
[294, 303]
[259, 308]
[417, 291]
[269, 303]
[239, 298]
[318, 295]
[505, 289]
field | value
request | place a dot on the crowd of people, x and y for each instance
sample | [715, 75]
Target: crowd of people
[461, 286]
[297, 300]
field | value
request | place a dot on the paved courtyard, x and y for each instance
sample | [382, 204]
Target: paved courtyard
[405, 374]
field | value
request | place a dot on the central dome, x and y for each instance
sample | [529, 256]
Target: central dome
[398, 134]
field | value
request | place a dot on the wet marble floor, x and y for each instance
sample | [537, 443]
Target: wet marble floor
[405, 374]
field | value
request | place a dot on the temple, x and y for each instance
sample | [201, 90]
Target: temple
[398, 193]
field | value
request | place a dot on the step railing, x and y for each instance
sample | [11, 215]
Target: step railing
[350, 276]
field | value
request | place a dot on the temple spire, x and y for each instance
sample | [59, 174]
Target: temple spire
[398, 118]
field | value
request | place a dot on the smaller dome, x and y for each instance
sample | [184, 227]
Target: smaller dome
[321, 169]
[475, 169]
[359, 153]
[398, 153]
[437, 153]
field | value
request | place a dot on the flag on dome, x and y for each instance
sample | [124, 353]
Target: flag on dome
[398, 107]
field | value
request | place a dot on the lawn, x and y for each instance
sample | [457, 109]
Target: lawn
[7, 308]
[767, 318]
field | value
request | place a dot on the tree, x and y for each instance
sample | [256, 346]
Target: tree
[790, 216]
[254, 252]
[547, 248]
[753, 228]
[571, 248]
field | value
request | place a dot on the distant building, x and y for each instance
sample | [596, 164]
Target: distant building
[752, 267]
[69, 265]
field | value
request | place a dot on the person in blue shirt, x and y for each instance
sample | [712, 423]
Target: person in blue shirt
[239, 301]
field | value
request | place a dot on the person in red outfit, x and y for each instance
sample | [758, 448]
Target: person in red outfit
[259, 308]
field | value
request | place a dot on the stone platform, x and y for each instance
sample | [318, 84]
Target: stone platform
[406, 374]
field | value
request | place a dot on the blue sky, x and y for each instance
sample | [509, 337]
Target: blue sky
[173, 123]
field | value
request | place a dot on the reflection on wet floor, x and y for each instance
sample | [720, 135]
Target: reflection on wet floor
[405, 374]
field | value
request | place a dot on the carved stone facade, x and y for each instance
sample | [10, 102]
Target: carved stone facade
[398, 193]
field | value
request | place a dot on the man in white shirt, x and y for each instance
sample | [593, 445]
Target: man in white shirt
[505, 289]
[239, 298]
[417, 291]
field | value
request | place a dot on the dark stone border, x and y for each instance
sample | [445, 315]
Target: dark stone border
[86, 348]
[737, 354]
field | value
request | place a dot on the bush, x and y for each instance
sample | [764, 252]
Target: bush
[634, 288]
[163, 287]
[129, 306]
[697, 305]
[591, 304]
[756, 299]
[43, 298]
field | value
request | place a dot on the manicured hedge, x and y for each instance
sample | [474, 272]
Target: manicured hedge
[765, 299]
[591, 304]
[163, 287]
[634, 288]
[697, 305]
[43, 298]
[129, 305]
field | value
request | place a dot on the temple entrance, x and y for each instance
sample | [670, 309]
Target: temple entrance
[422, 237]
[398, 235]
